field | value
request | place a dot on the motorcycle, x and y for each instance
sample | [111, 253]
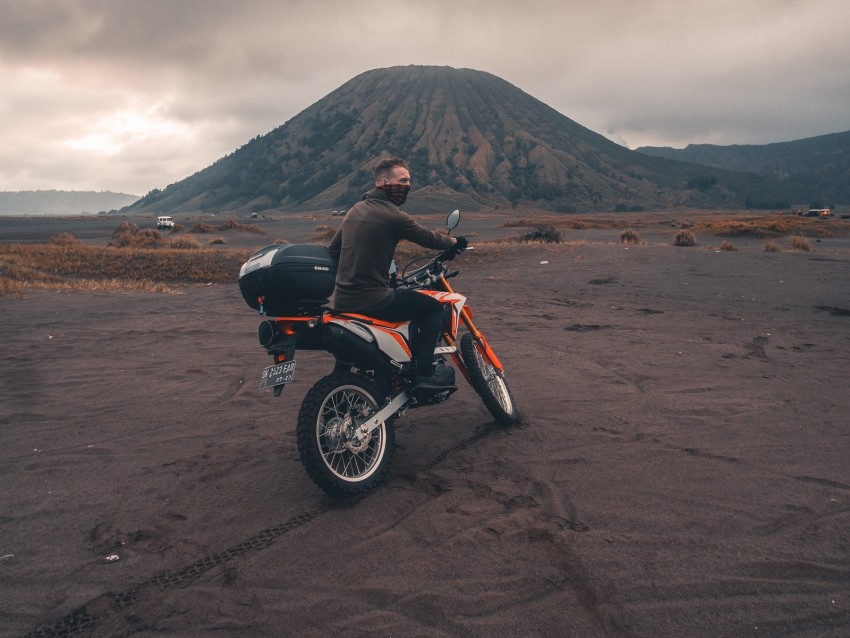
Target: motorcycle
[345, 429]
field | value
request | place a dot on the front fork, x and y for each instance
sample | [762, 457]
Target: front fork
[480, 340]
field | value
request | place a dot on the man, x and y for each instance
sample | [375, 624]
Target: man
[364, 247]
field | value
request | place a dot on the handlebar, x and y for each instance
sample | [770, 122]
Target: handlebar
[428, 273]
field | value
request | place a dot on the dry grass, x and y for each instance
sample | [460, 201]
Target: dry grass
[128, 234]
[82, 267]
[721, 223]
[230, 224]
[768, 226]
[65, 239]
[629, 236]
[772, 247]
[727, 245]
[20, 287]
[184, 243]
[684, 238]
[568, 223]
[798, 242]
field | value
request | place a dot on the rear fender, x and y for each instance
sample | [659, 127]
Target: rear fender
[351, 348]
[391, 338]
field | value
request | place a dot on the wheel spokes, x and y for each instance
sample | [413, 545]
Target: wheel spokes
[333, 445]
[493, 380]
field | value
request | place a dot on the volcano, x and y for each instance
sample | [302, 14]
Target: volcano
[471, 139]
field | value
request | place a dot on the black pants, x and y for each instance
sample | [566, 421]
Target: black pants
[426, 316]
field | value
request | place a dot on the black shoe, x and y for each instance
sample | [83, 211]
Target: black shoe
[442, 378]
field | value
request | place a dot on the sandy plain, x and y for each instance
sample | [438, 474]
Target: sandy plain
[681, 466]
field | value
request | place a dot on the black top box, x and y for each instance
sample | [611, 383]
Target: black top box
[288, 279]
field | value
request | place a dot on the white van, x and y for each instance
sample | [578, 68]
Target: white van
[164, 223]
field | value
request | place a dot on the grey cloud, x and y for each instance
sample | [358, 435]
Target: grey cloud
[221, 72]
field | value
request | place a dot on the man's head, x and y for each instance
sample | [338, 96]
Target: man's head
[393, 177]
[392, 170]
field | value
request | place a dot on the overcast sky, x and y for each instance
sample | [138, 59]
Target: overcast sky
[131, 95]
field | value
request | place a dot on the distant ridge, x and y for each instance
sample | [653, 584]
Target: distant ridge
[55, 202]
[818, 167]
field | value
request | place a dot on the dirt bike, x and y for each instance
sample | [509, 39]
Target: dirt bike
[345, 429]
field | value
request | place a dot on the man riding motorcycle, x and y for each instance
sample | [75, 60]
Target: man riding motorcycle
[363, 249]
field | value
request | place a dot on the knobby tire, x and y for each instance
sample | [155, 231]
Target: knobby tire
[488, 382]
[335, 467]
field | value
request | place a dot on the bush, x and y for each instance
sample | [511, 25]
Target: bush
[629, 236]
[128, 234]
[547, 234]
[218, 241]
[185, 243]
[684, 238]
[771, 247]
[65, 239]
[728, 245]
[798, 242]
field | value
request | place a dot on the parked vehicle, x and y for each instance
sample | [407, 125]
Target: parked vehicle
[345, 428]
[164, 223]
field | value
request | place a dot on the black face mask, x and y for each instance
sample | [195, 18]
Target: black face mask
[396, 193]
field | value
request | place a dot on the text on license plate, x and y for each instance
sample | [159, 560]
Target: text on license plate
[277, 374]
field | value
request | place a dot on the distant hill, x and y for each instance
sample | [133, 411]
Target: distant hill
[62, 202]
[472, 140]
[817, 168]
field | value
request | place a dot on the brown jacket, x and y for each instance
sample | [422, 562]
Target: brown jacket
[364, 245]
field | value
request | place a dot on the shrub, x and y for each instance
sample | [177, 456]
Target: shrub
[232, 224]
[543, 233]
[684, 238]
[128, 234]
[218, 241]
[798, 242]
[65, 239]
[629, 236]
[184, 243]
[772, 247]
[728, 245]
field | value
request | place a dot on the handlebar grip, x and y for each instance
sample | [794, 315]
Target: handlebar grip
[447, 255]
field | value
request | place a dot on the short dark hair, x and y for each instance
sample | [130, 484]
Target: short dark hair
[386, 165]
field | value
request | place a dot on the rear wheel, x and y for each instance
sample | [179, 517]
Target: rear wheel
[488, 382]
[337, 461]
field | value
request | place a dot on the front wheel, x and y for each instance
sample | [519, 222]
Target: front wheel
[488, 382]
[336, 460]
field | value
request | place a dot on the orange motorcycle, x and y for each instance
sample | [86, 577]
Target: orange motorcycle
[345, 428]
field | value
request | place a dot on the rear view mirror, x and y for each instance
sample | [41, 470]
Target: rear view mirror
[453, 219]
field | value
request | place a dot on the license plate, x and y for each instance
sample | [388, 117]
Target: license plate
[277, 374]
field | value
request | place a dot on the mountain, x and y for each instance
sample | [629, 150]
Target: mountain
[471, 140]
[818, 167]
[61, 202]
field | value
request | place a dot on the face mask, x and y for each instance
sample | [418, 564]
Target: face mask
[396, 193]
